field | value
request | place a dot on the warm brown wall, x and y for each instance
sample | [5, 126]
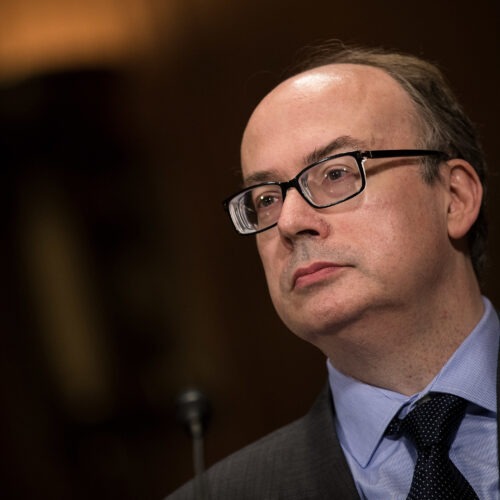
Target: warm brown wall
[125, 281]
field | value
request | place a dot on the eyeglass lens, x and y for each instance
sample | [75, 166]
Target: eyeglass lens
[323, 184]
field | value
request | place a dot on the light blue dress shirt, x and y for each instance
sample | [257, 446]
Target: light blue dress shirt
[382, 467]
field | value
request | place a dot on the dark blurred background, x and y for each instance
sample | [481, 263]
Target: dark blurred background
[120, 123]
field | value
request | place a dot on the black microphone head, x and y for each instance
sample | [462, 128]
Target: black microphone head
[194, 411]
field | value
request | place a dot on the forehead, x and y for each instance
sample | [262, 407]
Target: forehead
[313, 109]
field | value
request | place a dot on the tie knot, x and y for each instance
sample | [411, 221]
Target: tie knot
[433, 422]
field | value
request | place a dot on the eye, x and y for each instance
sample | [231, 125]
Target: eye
[265, 200]
[266, 204]
[336, 173]
[331, 181]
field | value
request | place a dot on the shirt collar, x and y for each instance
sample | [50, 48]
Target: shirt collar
[364, 411]
[471, 372]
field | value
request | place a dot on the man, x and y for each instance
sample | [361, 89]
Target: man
[364, 186]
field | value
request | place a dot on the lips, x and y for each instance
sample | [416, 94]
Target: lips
[314, 273]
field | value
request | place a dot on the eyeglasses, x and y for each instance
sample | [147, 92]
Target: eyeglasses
[325, 183]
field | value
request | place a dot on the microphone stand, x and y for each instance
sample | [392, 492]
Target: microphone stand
[193, 410]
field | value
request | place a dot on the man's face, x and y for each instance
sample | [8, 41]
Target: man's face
[382, 252]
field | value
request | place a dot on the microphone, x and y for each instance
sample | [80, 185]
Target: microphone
[194, 412]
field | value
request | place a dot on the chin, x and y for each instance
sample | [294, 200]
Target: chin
[318, 322]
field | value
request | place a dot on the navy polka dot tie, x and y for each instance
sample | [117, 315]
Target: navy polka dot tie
[430, 426]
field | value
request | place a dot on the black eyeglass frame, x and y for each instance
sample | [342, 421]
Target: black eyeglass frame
[359, 156]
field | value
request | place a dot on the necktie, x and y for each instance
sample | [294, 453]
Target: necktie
[430, 426]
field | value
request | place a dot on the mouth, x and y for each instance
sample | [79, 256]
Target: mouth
[315, 273]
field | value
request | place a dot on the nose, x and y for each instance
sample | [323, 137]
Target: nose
[299, 219]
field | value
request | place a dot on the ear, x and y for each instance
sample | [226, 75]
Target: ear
[466, 193]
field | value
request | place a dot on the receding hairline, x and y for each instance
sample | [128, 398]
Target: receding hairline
[328, 69]
[282, 89]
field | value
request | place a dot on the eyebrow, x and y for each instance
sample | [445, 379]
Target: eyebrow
[259, 177]
[345, 142]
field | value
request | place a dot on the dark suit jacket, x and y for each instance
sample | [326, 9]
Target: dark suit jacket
[302, 461]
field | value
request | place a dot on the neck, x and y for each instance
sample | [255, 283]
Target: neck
[404, 350]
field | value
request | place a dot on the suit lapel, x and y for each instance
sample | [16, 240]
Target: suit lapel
[332, 477]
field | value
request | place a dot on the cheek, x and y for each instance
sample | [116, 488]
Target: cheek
[266, 252]
[404, 229]
[269, 252]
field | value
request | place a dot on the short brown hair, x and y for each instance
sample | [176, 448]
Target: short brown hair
[443, 122]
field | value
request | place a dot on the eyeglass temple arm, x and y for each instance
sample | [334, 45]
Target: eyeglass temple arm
[395, 153]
